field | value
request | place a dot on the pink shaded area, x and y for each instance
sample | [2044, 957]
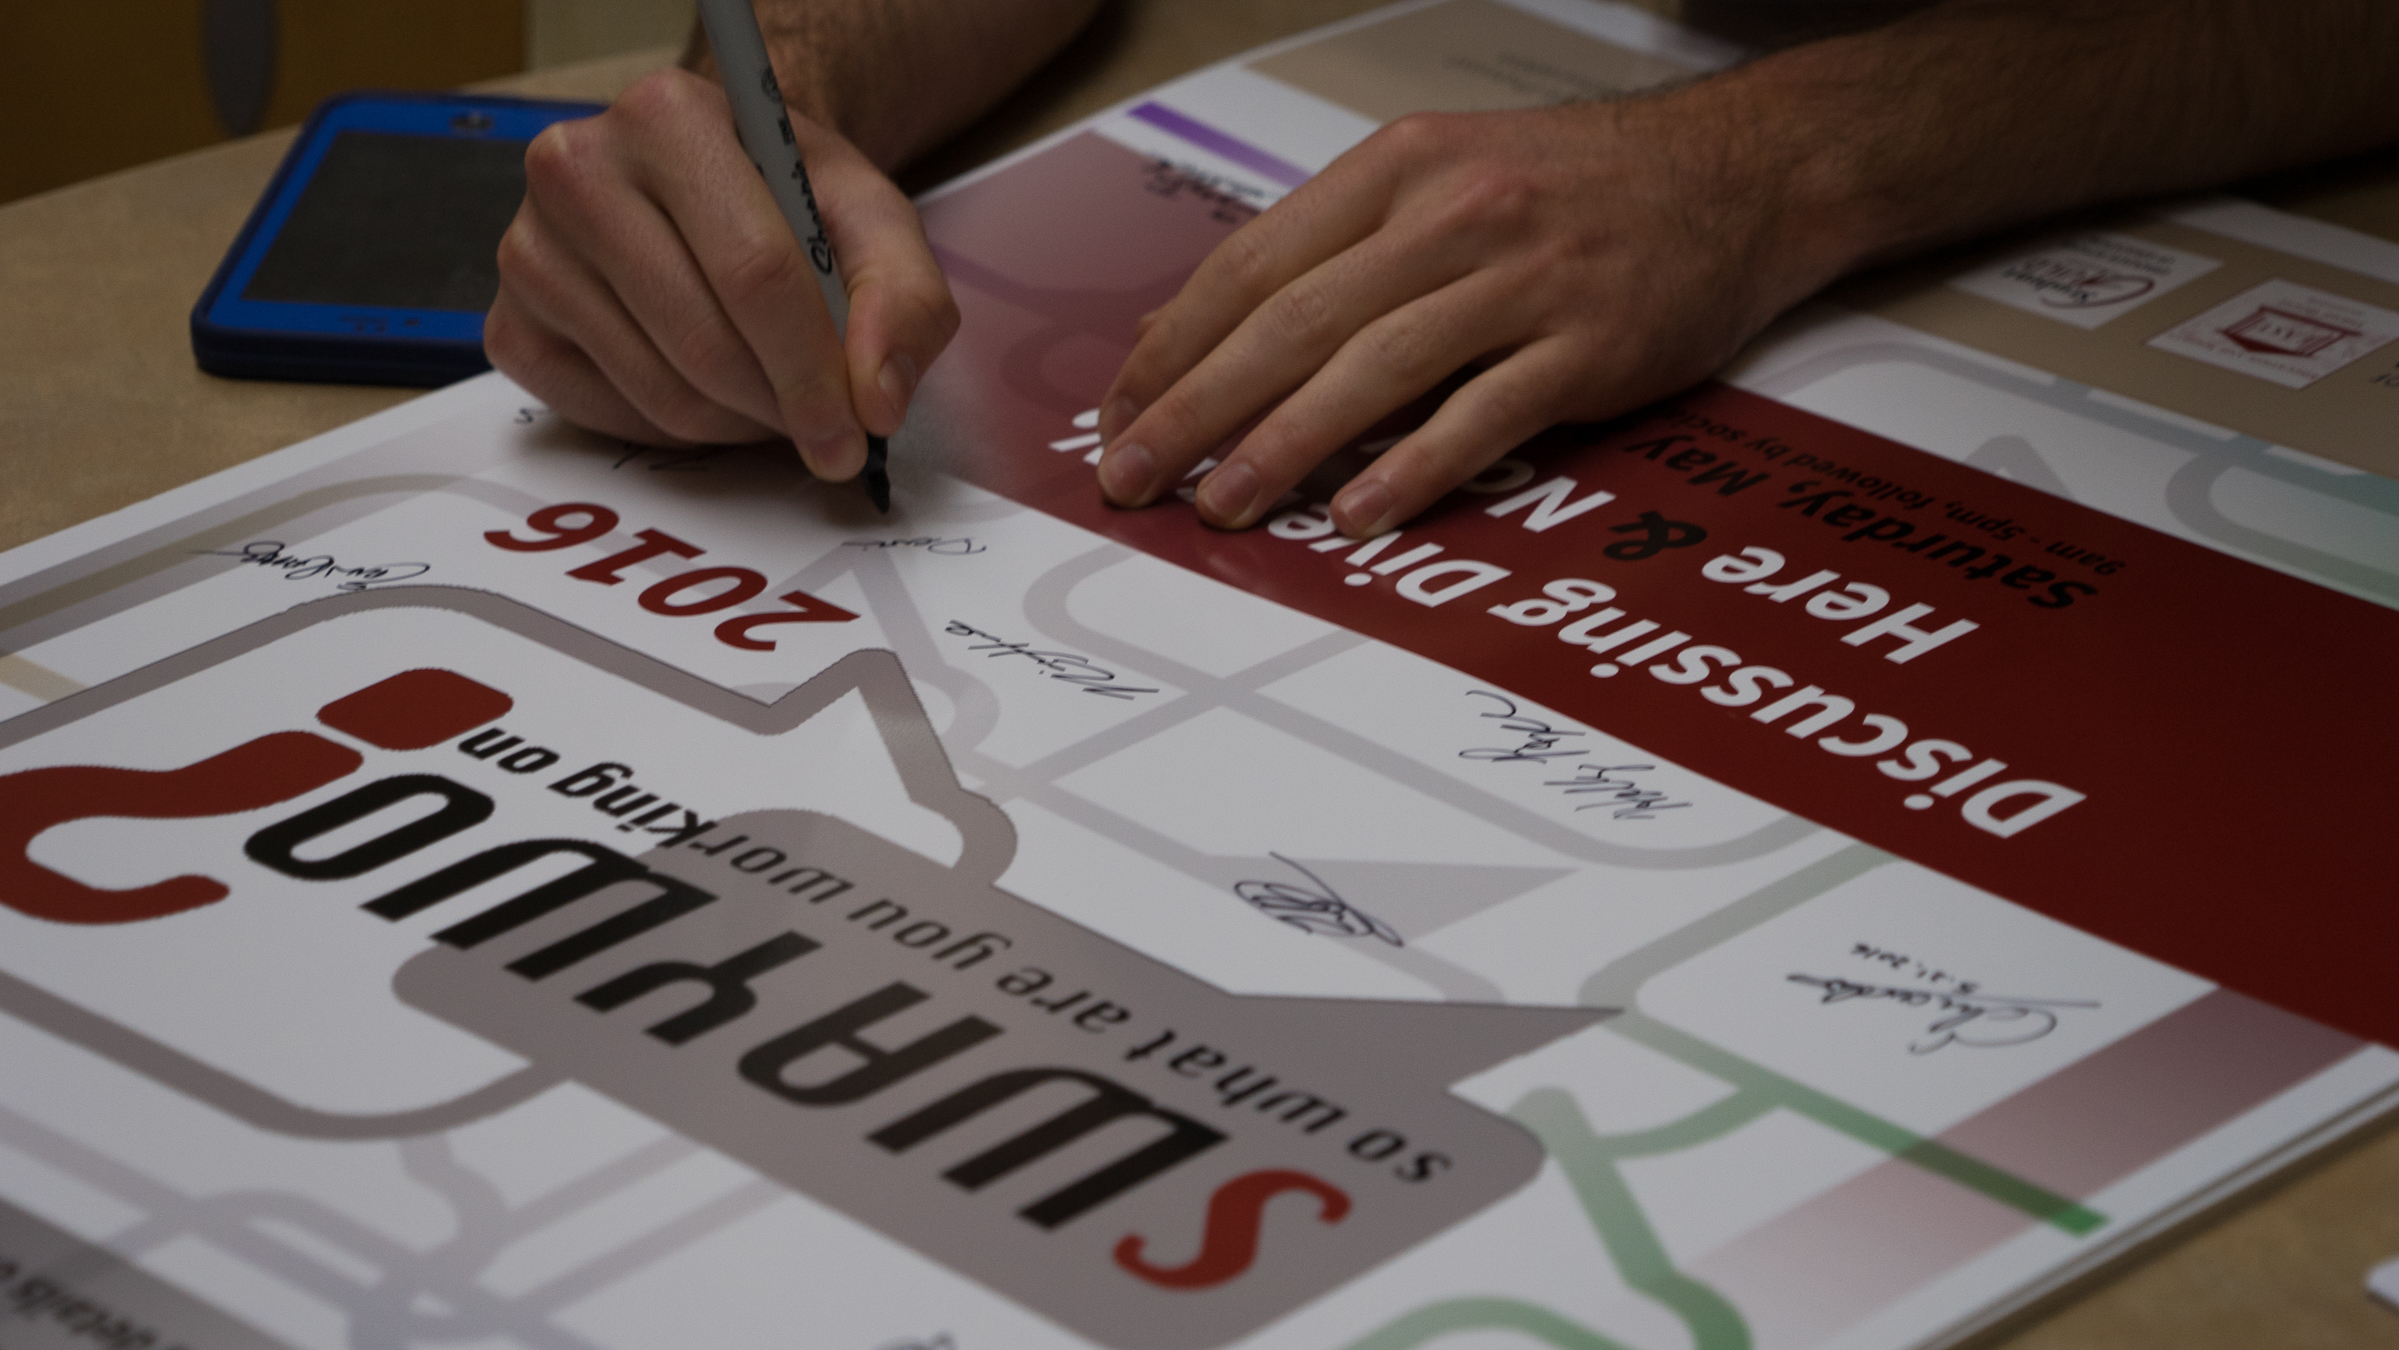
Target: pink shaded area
[2095, 1122]
[1845, 1254]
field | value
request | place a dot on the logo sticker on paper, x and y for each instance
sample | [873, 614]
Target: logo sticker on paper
[2086, 279]
[2282, 332]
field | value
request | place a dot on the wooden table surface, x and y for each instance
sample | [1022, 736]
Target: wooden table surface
[101, 406]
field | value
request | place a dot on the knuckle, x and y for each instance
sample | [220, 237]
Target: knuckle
[1593, 353]
[1496, 199]
[642, 97]
[1514, 404]
[699, 350]
[1436, 477]
[663, 96]
[760, 265]
[1418, 135]
[567, 170]
[543, 367]
[1246, 260]
[1170, 422]
[1396, 345]
[508, 345]
[1154, 328]
[520, 253]
[1301, 315]
[1285, 447]
[1558, 255]
[553, 157]
[1145, 375]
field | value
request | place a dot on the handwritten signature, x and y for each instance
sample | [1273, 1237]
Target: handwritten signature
[1969, 1017]
[268, 553]
[1321, 910]
[1082, 671]
[948, 548]
[1539, 742]
[1630, 800]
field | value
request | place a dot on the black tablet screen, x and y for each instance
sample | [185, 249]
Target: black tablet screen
[400, 221]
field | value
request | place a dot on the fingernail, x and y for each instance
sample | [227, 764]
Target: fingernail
[1362, 509]
[1230, 495]
[836, 454]
[898, 380]
[1118, 416]
[1126, 473]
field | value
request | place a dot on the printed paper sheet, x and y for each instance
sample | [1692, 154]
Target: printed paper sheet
[1722, 879]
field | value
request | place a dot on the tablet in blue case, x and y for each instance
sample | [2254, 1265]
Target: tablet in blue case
[371, 258]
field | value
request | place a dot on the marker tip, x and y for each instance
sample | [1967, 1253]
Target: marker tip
[877, 476]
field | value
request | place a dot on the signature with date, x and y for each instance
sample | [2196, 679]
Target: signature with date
[1081, 671]
[1609, 786]
[1966, 1015]
[269, 554]
[1313, 907]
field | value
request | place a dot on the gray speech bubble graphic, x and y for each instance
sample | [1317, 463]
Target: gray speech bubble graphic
[1129, 1150]
[1118, 1145]
[987, 837]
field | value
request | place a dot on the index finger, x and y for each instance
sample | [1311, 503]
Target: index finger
[1323, 217]
[759, 271]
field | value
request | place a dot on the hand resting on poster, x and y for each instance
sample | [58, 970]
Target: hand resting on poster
[1587, 259]
[1577, 261]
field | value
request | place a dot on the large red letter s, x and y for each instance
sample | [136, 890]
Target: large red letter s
[409, 711]
[1235, 1214]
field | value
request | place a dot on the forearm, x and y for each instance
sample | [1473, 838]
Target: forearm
[1981, 114]
[897, 77]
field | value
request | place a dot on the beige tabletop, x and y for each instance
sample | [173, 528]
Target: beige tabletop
[101, 406]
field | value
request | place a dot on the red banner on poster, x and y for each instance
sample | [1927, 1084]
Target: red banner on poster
[2173, 749]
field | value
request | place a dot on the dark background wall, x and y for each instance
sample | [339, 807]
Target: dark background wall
[86, 89]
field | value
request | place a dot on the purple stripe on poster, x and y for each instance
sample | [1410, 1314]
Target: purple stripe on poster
[1217, 143]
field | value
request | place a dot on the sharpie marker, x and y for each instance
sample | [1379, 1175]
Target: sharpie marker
[765, 128]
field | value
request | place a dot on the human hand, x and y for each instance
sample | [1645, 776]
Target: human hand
[1586, 259]
[650, 289]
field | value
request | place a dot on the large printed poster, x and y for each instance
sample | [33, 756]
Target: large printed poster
[1725, 878]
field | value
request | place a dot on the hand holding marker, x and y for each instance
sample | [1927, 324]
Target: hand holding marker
[765, 129]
